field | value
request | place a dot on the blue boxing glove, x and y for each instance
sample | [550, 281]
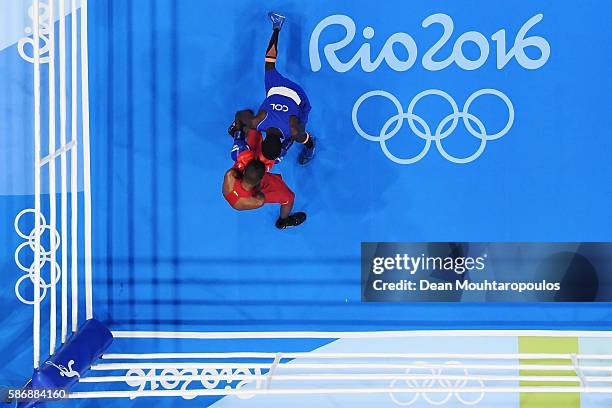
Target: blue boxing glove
[240, 144]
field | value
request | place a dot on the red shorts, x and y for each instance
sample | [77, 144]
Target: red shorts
[275, 190]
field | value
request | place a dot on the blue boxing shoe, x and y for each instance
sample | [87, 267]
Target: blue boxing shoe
[307, 154]
[277, 20]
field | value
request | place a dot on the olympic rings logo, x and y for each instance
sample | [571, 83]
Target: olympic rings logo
[44, 256]
[442, 131]
[447, 380]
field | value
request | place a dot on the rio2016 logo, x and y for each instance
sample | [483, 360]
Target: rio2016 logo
[432, 60]
[363, 55]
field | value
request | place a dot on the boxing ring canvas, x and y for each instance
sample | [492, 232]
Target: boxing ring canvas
[436, 121]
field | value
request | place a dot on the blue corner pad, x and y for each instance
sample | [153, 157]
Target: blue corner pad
[64, 368]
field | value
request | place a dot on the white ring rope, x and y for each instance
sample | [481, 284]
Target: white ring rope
[118, 334]
[356, 377]
[74, 205]
[86, 163]
[530, 367]
[311, 355]
[52, 181]
[63, 170]
[307, 391]
[37, 116]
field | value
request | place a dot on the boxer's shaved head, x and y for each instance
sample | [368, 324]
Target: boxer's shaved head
[254, 172]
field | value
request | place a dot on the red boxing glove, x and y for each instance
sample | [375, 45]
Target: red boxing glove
[243, 159]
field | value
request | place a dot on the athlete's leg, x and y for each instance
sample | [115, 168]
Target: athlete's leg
[304, 107]
[272, 51]
[305, 138]
[285, 210]
[275, 190]
[308, 152]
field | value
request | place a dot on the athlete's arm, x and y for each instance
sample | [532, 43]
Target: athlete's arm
[249, 203]
[228, 181]
[245, 118]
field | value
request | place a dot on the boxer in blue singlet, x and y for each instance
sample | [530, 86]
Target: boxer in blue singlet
[282, 115]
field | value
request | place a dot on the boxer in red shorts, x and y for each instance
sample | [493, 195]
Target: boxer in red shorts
[248, 184]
